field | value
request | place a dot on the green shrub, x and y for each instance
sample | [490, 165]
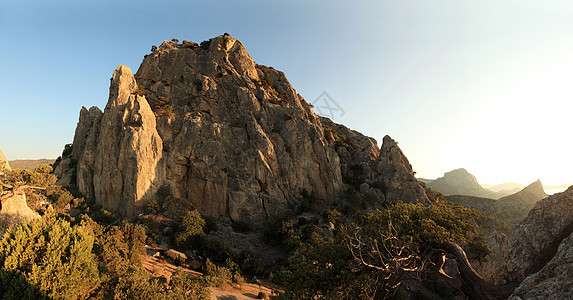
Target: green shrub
[189, 44]
[168, 110]
[104, 216]
[154, 207]
[240, 226]
[52, 256]
[280, 231]
[59, 197]
[217, 275]
[183, 286]
[163, 192]
[210, 224]
[308, 202]
[214, 249]
[478, 249]
[190, 227]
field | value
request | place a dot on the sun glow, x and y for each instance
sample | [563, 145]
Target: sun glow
[522, 133]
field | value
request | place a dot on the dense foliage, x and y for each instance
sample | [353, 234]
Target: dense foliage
[64, 258]
[369, 255]
[52, 257]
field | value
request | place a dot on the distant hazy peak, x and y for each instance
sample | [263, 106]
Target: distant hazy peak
[460, 182]
[530, 194]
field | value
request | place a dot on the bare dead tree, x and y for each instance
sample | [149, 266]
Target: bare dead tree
[395, 262]
[470, 283]
[386, 255]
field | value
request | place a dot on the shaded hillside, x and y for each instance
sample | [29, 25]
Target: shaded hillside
[30, 164]
[512, 208]
[460, 182]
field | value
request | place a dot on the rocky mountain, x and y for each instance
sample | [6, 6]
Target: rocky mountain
[30, 164]
[538, 252]
[225, 135]
[3, 162]
[512, 208]
[460, 182]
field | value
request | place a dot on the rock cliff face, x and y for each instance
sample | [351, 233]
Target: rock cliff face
[115, 154]
[539, 246]
[228, 136]
[460, 182]
[553, 281]
[3, 162]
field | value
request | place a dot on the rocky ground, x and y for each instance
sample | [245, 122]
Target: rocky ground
[160, 266]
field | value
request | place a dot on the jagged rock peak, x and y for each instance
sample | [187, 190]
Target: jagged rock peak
[397, 174]
[226, 136]
[3, 162]
[122, 86]
[535, 187]
[115, 153]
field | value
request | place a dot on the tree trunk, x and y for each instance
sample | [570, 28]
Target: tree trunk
[472, 284]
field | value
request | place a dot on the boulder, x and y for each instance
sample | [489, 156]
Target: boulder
[14, 209]
[176, 256]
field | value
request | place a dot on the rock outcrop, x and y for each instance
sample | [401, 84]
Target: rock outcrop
[14, 209]
[3, 162]
[227, 136]
[554, 280]
[460, 182]
[538, 245]
[116, 153]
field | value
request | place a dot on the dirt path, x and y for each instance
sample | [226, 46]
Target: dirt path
[158, 266]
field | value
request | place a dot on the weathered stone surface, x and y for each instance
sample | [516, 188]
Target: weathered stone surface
[229, 136]
[128, 147]
[554, 280]
[14, 209]
[3, 162]
[115, 154]
[535, 240]
[394, 170]
[176, 255]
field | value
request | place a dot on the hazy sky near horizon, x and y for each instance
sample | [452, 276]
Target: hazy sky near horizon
[483, 85]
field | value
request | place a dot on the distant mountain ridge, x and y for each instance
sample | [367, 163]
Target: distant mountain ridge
[460, 182]
[512, 208]
[30, 164]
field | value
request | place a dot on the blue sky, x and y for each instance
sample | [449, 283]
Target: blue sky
[484, 85]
